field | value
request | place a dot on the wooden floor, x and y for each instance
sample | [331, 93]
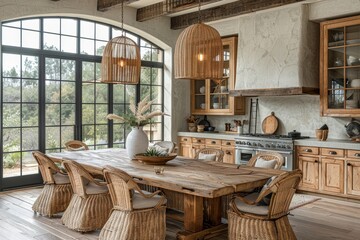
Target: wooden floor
[324, 219]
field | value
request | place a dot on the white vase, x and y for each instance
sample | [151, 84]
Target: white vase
[136, 142]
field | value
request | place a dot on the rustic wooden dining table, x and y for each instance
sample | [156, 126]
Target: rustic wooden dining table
[196, 179]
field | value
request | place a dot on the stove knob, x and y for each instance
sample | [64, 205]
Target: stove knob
[254, 144]
[273, 145]
[260, 145]
[288, 147]
[267, 145]
[278, 146]
[249, 143]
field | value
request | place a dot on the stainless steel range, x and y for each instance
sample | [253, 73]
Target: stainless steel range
[247, 146]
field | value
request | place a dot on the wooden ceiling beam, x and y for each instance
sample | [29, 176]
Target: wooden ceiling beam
[226, 11]
[168, 7]
[104, 5]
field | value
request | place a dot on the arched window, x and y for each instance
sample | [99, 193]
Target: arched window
[51, 93]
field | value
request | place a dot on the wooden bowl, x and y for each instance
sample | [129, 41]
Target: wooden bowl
[154, 160]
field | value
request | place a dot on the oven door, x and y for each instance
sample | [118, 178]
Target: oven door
[243, 155]
[288, 158]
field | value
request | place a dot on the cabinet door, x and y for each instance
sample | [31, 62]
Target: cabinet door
[339, 58]
[353, 177]
[229, 155]
[185, 150]
[332, 175]
[310, 169]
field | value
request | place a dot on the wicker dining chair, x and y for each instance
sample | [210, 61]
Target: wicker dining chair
[76, 145]
[137, 215]
[90, 206]
[272, 160]
[56, 194]
[250, 217]
[210, 154]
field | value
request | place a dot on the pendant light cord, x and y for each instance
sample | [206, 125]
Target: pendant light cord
[122, 18]
[199, 13]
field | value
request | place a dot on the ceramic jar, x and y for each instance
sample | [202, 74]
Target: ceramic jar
[136, 142]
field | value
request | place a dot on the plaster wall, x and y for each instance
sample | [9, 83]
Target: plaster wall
[279, 48]
[158, 31]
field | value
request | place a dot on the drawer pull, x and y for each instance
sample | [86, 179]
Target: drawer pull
[198, 140]
[228, 143]
[332, 152]
[213, 142]
[316, 161]
[357, 154]
[185, 139]
[228, 152]
[308, 150]
[349, 164]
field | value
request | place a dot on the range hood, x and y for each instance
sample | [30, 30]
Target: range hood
[278, 54]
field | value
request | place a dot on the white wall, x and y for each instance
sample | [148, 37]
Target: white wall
[156, 30]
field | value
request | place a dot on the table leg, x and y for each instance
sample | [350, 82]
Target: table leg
[213, 210]
[193, 213]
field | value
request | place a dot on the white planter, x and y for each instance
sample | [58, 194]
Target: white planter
[136, 142]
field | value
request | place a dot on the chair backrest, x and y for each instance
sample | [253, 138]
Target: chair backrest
[120, 186]
[166, 144]
[283, 188]
[76, 145]
[47, 167]
[267, 156]
[79, 177]
[210, 153]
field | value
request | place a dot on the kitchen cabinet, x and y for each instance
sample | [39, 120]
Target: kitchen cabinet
[211, 96]
[189, 145]
[332, 175]
[353, 173]
[330, 171]
[340, 67]
[308, 163]
[185, 147]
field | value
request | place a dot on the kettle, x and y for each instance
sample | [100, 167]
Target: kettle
[353, 128]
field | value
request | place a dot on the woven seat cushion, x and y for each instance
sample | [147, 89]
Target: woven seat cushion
[61, 178]
[262, 163]
[140, 202]
[92, 188]
[243, 207]
[205, 156]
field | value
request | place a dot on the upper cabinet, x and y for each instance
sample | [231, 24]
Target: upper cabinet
[210, 96]
[340, 67]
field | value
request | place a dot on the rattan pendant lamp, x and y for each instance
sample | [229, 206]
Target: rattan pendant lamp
[121, 59]
[199, 53]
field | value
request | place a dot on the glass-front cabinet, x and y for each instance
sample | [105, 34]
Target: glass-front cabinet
[340, 67]
[211, 96]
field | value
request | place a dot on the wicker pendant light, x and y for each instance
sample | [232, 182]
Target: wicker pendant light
[121, 59]
[199, 53]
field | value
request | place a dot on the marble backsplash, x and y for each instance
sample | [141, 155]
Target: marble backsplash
[300, 113]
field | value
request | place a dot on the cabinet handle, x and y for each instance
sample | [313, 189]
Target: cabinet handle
[357, 154]
[198, 140]
[316, 161]
[308, 150]
[228, 152]
[213, 142]
[228, 143]
[185, 139]
[332, 152]
[349, 164]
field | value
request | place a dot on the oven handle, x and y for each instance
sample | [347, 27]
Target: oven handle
[265, 150]
[244, 148]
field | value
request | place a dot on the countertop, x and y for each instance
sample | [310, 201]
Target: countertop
[329, 143]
